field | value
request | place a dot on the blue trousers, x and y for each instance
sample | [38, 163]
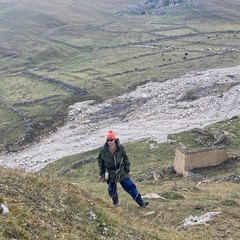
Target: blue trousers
[127, 185]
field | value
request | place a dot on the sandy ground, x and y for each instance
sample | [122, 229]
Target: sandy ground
[151, 111]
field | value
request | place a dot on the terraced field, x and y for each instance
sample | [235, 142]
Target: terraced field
[55, 54]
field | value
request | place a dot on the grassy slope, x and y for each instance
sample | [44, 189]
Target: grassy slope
[43, 209]
[147, 156]
[65, 43]
[45, 205]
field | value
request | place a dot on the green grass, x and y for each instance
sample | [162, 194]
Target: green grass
[17, 89]
[49, 205]
[228, 127]
[94, 47]
[10, 126]
[183, 197]
[55, 210]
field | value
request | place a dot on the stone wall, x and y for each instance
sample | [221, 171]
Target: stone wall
[185, 160]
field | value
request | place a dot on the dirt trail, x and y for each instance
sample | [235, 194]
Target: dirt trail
[151, 111]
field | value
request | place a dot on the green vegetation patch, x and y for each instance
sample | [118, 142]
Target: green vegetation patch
[47, 114]
[45, 209]
[53, 169]
[228, 127]
[172, 195]
[230, 202]
[10, 126]
[17, 89]
[232, 131]
[82, 37]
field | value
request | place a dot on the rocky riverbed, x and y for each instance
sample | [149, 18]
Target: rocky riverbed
[153, 110]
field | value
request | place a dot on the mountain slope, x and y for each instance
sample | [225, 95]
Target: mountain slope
[56, 53]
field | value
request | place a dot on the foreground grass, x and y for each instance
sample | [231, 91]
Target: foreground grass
[109, 55]
[183, 197]
[50, 205]
[41, 208]
[53, 209]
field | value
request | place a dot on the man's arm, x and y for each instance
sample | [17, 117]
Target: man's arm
[101, 165]
[126, 162]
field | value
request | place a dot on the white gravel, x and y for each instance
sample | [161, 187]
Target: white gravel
[151, 111]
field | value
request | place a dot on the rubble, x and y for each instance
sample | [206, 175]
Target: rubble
[151, 111]
[196, 220]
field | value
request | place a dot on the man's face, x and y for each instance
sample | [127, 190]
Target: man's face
[111, 142]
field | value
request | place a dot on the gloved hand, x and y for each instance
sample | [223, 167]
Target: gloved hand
[101, 178]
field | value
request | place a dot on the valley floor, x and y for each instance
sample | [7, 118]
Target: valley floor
[151, 111]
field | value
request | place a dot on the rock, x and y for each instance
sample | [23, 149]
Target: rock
[150, 213]
[196, 220]
[92, 215]
[153, 195]
[4, 209]
[194, 177]
[168, 170]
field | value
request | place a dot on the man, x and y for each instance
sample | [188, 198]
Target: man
[114, 166]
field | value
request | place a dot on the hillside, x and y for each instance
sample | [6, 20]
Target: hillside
[76, 206]
[152, 111]
[44, 209]
[72, 70]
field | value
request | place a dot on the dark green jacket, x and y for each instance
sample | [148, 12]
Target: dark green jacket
[118, 165]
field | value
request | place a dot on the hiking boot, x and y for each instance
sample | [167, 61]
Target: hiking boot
[140, 202]
[115, 200]
[144, 204]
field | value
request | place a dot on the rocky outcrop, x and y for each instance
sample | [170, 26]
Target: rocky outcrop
[155, 6]
[196, 220]
[142, 8]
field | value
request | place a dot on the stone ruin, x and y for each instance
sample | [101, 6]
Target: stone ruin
[187, 160]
